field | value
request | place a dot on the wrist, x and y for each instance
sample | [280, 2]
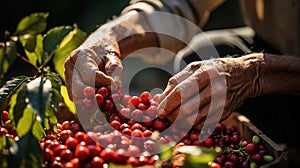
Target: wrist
[132, 32]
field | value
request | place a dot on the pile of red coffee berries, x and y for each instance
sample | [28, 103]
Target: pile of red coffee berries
[134, 119]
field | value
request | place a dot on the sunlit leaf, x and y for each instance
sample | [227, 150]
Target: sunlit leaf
[9, 88]
[37, 130]
[119, 166]
[33, 47]
[28, 41]
[50, 120]
[197, 157]
[25, 122]
[69, 43]
[166, 151]
[39, 94]
[29, 153]
[2, 142]
[56, 85]
[18, 104]
[64, 93]
[53, 38]
[32, 24]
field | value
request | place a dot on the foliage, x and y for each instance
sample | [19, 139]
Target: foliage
[33, 101]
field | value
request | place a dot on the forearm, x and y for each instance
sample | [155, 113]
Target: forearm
[280, 75]
[272, 74]
[175, 21]
[137, 28]
[122, 35]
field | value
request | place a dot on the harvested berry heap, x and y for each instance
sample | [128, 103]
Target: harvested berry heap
[133, 135]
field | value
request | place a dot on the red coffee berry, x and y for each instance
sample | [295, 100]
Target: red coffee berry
[137, 115]
[82, 153]
[66, 155]
[151, 111]
[115, 124]
[3, 131]
[5, 116]
[133, 102]
[147, 121]
[127, 131]
[125, 100]
[87, 103]
[97, 162]
[94, 150]
[48, 155]
[71, 143]
[194, 135]
[125, 113]
[208, 142]
[136, 126]
[159, 124]
[88, 91]
[99, 99]
[142, 106]
[103, 91]
[257, 158]
[145, 97]
[147, 133]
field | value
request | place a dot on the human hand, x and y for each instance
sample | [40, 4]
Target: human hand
[216, 86]
[86, 67]
[97, 62]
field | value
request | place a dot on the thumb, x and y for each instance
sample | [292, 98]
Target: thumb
[114, 69]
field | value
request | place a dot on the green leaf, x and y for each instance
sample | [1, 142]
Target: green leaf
[7, 56]
[69, 43]
[119, 166]
[39, 94]
[33, 47]
[199, 158]
[29, 153]
[9, 88]
[18, 104]
[2, 142]
[166, 151]
[26, 121]
[64, 93]
[28, 41]
[53, 38]
[56, 84]
[37, 130]
[10, 51]
[34, 23]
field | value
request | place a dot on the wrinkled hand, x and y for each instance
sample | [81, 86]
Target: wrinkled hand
[216, 87]
[86, 67]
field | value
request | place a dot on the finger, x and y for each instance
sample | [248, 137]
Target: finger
[191, 105]
[86, 63]
[212, 116]
[179, 77]
[74, 83]
[173, 81]
[193, 85]
[114, 68]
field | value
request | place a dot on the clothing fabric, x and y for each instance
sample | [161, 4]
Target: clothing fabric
[277, 23]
